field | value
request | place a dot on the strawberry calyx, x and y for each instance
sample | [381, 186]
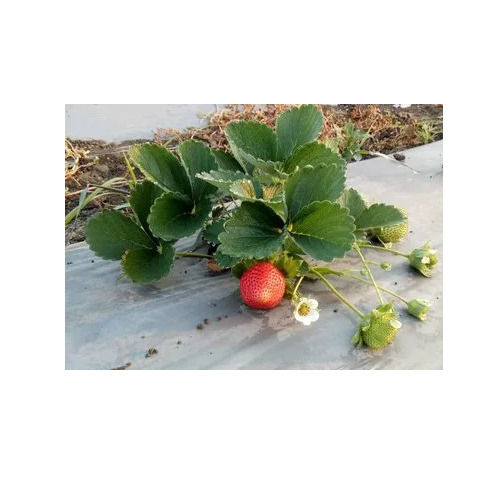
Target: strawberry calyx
[378, 329]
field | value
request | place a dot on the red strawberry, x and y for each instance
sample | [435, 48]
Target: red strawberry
[262, 286]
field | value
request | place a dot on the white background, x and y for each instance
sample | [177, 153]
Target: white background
[246, 435]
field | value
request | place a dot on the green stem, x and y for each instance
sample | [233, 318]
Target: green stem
[368, 270]
[381, 242]
[130, 169]
[297, 286]
[112, 190]
[383, 249]
[386, 290]
[338, 294]
[191, 254]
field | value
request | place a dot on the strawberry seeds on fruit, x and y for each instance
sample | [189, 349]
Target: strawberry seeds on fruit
[262, 286]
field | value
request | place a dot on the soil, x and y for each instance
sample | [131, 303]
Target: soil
[91, 163]
[151, 352]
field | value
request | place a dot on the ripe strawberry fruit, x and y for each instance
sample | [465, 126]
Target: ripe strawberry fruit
[262, 286]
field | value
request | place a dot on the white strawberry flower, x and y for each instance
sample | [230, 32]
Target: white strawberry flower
[306, 310]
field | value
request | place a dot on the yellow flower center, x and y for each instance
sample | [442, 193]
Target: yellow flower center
[304, 309]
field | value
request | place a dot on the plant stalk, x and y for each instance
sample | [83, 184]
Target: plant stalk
[130, 169]
[192, 254]
[386, 290]
[297, 286]
[113, 190]
[338, 294]
[369, 271]
[382, 249]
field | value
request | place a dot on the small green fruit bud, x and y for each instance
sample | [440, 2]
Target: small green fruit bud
[419, 308]
[386, 266]
[423, 259]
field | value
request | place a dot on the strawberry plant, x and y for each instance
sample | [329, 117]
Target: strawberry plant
[270, 211]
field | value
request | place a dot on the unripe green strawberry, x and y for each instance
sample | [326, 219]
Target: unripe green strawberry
[379, 329]
[419, 308]
[393, 233]
[262, 286]
[424, 259]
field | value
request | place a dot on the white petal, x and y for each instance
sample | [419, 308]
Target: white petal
[306, 321]
[312, 303]
[425, 260]
[299, 318]
[396, 324]
[313, 316]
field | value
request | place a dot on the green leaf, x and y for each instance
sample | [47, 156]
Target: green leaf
[142, 198]
[296, 127]
[222, 178]
[212, 231]
[110, 234]
[237, 183]
[325, 270]
[292, 247]
[246, 189]
[226, 161]
[239, 269]
[269, 167]
[253, 231]
[225, 261]
[251, 141]
[277, 205]
[288, 265]
[197, 158]
[311, 184]
[353, 201]
[313, 154]
[81, 200]
[322, 270]
[146, 266]
[324, 230]
[172, 218]
[161, 167]
[268, 171]
[379, 215]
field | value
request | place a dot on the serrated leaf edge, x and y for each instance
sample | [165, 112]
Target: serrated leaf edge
[150, 178]
[235, 148]
[173, 218]
[343, 211]
[312, 168]
[109, 258]
[341, 160]
[122, 265]
[405, 217]
[294, 110]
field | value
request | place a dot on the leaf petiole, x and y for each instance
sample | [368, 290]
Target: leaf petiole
[192, 254]
[383, 249]
[338, 294]
[368, 270]
[386, 290]
[297, 286]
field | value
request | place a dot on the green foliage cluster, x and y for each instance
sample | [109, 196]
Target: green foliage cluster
[280, 196]
[291, 190]
[348, 142]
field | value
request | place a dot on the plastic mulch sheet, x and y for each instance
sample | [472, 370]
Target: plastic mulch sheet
[113, 323]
